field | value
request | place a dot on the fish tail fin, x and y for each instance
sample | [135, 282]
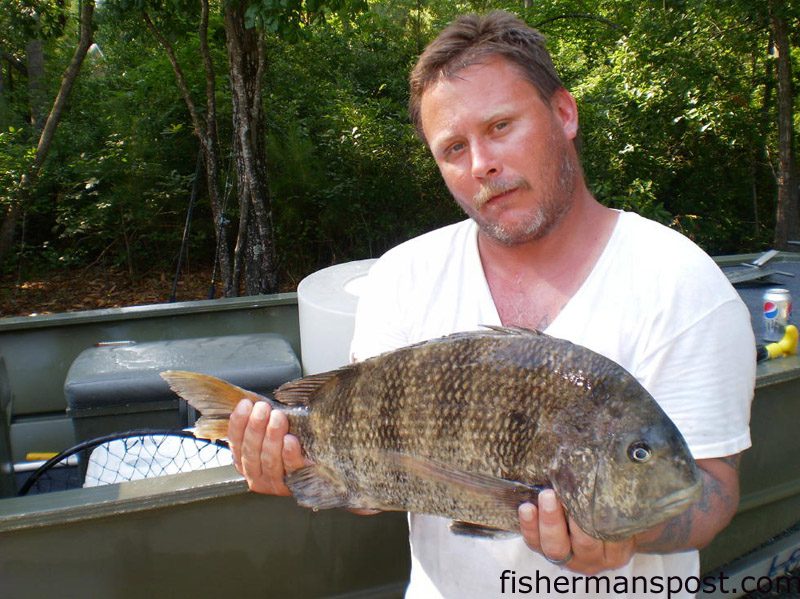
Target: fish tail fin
[214, 398]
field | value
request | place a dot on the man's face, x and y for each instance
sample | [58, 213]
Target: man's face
[506, 155]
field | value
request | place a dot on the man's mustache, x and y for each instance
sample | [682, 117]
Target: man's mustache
[497, 187]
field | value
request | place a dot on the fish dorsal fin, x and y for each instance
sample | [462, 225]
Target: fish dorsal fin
[513, 330]
[302, 392]
[497, 330]
[506, 493]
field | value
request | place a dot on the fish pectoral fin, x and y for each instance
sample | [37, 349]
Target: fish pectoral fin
[318, 488]
[468, 529]
[506, 493]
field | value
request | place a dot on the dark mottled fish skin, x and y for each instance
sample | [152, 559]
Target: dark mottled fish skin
[471, 425]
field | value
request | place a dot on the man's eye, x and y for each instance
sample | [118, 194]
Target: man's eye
[501, 125]
[455, 148]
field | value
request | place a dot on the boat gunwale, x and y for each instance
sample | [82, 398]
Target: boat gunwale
[15, 323]
[64, 507]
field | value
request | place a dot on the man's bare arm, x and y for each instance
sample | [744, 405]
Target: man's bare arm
[697, 526]
[550, 531]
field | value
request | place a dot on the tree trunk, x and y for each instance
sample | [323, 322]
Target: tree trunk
[28, 180]
[761, 160]
[206, 133]
[255, 252]
[34, 54]
[786, 220]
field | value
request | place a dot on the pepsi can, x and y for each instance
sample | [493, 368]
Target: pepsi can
[777, 313]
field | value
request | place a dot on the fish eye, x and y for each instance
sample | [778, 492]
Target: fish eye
[639, 451]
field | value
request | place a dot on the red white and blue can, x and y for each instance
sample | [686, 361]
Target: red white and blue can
[777, 313]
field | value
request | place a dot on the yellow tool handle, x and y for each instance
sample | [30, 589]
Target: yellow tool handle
[36, 456]
[786, 346]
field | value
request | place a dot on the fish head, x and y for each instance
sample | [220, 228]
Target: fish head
[645, 477]
[627, 468]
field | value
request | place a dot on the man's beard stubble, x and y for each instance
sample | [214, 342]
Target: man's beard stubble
[553, 205]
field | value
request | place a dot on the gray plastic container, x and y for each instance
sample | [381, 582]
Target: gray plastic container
[116, 387]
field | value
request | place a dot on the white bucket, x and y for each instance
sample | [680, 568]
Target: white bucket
[327, 301]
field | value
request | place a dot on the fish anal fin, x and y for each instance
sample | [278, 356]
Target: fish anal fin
[468, 529]
[318, 488]
[505, 493]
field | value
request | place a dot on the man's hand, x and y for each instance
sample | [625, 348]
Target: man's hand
[263, 451]
[549, 531]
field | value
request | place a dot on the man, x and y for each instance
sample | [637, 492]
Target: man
[540, 252]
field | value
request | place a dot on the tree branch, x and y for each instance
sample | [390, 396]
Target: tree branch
[208, 66]
[67, 82]
[206, 131]
[14, 62]
[200, 129]
[27, 180]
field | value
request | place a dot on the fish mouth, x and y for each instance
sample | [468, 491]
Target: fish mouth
[677, 501]
[662, 510]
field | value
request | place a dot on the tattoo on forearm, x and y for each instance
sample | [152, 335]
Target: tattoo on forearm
[677, 532]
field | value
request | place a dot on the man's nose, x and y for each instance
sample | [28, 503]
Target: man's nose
[485, 162]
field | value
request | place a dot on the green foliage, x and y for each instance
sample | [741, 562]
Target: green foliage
[672, 116]
[117, 182]
[348, 177]
[14, 158]
[291, 19]
[22, 20]
[676, 98]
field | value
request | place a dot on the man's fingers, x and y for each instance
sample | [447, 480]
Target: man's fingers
[607, 555]
[547, 529]
[272, 452]
[236, 427]
[253, 439]
[292, 454]
[553, 530]
[263, 451]
[529, 525]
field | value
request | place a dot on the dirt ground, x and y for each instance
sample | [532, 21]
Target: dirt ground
[89, 289]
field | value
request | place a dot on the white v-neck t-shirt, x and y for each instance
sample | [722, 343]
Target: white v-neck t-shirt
[654, 303]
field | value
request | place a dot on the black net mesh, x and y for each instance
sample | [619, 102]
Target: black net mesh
[128, 456]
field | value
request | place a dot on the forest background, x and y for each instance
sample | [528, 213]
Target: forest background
[243, 145]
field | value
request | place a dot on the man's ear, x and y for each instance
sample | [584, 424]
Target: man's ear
[565, 108]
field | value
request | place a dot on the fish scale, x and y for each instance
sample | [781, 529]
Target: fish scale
[471, 425]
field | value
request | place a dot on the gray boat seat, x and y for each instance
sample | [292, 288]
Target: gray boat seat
[116, 387]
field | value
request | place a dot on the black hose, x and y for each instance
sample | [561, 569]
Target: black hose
[92, 443]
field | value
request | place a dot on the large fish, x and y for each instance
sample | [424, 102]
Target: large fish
[470, 426]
